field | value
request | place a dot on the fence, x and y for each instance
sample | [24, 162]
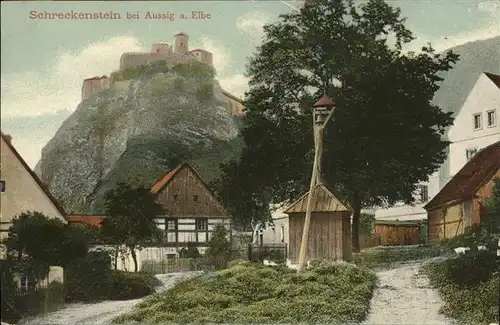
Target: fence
[21, 299]
[369, 240]
[393, 233]
[255, 253]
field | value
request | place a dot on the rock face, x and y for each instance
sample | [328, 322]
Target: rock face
[135, 132]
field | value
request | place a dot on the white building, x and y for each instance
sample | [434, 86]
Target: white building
[475, 127]
[21, 189]
[276, 233]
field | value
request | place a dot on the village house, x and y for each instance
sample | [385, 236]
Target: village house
[330, 228]
[475, 127]
[460, 203]
[192, 209]
[21, 190]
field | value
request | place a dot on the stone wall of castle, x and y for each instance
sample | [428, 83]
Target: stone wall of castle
[93, 85]
[177, 53]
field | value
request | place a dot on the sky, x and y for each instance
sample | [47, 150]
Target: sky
[43, 62]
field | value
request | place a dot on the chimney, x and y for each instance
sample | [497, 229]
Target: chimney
[8, 138]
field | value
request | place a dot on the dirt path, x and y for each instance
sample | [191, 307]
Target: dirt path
[404, 296]
[102, 313]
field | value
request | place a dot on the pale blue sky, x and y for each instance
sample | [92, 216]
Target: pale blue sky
[44, 61]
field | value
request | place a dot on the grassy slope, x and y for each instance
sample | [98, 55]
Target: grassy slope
[250, 293]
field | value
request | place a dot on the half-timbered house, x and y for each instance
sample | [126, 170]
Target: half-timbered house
[191, 209]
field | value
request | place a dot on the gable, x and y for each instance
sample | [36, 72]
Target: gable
[183, 193]
[24, 191]
[323, 200]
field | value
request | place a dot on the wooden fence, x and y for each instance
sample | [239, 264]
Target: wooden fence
[394, 233]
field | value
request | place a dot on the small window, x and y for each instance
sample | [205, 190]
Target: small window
[201, 224]
[491, 118]
[195, 198]
[176, 197]
[24, 283]
[171, 224]
[478, 123]
[424, 193]
[469, 153]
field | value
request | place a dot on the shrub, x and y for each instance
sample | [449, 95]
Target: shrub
[91, 279]
[190, 251]
[253, 293]
[469, 286]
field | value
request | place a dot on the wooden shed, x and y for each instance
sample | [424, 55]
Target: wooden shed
[459, 204]
[395, 232]
[330, 229]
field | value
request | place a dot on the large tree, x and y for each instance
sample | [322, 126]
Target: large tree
[130, 217]
[385, 136]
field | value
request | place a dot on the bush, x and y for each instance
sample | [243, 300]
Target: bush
[472, 237]
[252, 293]
[469, 286]
[91, 279]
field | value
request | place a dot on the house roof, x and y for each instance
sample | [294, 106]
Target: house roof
[464, 185]
[199, 50]
[35, 177]
[90, 220]
[162, 182]
[324, 101]
[181, 34]
[494, 77]
[323, 200]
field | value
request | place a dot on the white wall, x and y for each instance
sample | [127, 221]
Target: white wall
[277, 233]
[485, 96]
[22, 193]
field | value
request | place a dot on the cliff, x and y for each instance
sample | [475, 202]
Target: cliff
[136, 131]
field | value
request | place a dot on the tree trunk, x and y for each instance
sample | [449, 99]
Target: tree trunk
[356, 215]
[134, 257]
[117, 249]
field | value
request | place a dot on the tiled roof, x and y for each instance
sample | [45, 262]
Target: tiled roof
[90, 220]
[33, 175]
[494, 77]
[464, 185]
[162, 182]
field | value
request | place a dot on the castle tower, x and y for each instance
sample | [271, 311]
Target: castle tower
[160, 49]
[181, 43]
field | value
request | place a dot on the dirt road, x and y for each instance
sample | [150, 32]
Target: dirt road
[404, 296]
[102, 313]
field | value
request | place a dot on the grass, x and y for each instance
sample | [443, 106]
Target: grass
[393, 256]
[469, 286]
[253, 293]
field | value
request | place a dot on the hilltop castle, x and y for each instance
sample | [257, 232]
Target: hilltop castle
[177, 53]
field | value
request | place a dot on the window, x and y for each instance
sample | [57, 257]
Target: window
[282, 234]
[478, 121]
[195, 198]
[424, 193]
[176, 197]
[171, 224]
[469, 153]
[201, 224]
[24, 283]
[491, 118]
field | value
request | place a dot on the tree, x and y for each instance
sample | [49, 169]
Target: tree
[130, 220]
[385, 136]
[219, 247]
[37, 242]
[491, 218]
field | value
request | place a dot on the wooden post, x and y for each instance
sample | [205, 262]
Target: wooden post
[316, 179]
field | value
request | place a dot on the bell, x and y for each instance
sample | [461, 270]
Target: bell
[320, 118]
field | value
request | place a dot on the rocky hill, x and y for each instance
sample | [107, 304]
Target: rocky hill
[135, 132]
[475, 58]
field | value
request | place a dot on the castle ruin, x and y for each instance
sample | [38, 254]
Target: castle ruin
[176, 54]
